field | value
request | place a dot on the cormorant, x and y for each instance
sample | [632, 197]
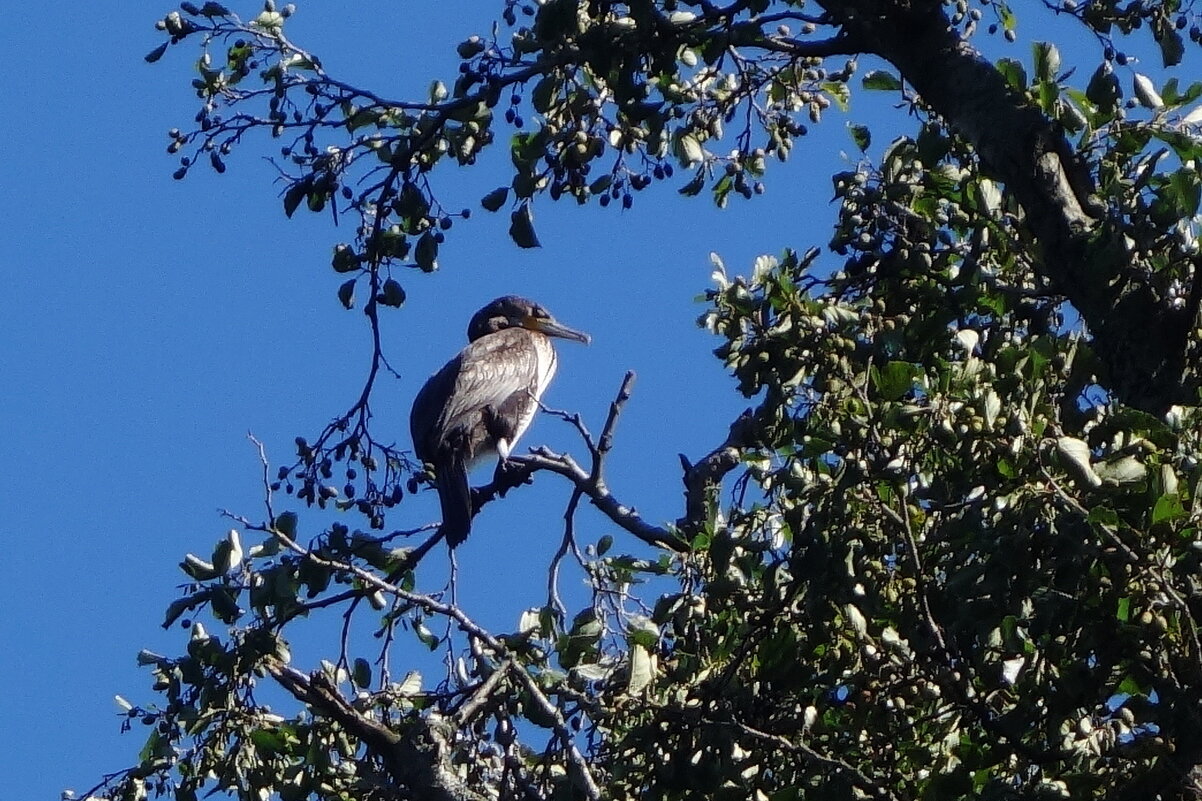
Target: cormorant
[482, 400]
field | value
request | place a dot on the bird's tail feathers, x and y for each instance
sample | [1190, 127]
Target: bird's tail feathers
[455, 495]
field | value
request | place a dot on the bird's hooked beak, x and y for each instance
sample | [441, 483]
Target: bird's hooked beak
[552, 328]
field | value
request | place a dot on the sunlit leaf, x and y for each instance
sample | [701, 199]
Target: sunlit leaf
[1077, 456]
[1168, 507]
[881, 80]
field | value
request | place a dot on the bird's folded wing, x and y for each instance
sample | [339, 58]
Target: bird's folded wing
[491, 370]
[484, 375]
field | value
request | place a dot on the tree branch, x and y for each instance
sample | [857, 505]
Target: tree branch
[598, 493]
[703, 479]
[797, 747]
[590, 483]
[417, 761]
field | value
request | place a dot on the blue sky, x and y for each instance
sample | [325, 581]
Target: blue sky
[147, 325]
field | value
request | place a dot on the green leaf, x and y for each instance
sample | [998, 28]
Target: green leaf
[1123, 612]
[1145, 92]
[273, 742]
[642, 669]
[991, 407]
[222, 557]
[470, 112]
[1047, 60]
[392, 294]
[154, 744]
[838, 92]
[198, 568]
[427, 637]
[410, 685]
[146, 657]
[426, 253]
[642, 631]
[1009, 21]
[1172, 47]
[545, 91]
[293, 197]
[688, 149]
[1103, 88]
[1175, 97]
[157, 53]
[361, 673]
[860, 135]
[881, 81]
[1076, 455]
[1014, 73]
[1104, 516]
[1168, 507]
[1129, 686]
[521, 227]
[362, 118]
[346, 294]
[694, 186]
[1186, 192]
[177, 609]
[224, 604]
[894, 380]
[285, 523]
[591, 672]
[495, 199]
[345, 260]
[1185, 146]
[1124, 470]
[470, 47]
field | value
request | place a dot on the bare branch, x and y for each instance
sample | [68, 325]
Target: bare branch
[598, 493]
[569, 536]
[590, 483]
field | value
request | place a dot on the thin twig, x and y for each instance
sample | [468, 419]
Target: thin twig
[569, 526]
[810, 754]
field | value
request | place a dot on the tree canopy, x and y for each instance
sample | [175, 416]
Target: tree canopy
[952, 548]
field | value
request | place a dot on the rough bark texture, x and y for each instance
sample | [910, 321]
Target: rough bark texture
[1141, 341]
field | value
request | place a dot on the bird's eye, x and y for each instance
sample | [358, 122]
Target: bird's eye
[540, 312]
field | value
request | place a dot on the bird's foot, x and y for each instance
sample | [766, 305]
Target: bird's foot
[510, 474]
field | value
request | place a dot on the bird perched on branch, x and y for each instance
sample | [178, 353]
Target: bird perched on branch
[481, 401]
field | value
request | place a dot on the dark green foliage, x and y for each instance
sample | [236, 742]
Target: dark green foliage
[953, 562]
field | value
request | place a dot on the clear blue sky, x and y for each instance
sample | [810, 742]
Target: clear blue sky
[147, 325]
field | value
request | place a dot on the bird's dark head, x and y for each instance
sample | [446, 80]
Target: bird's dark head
[512, 311]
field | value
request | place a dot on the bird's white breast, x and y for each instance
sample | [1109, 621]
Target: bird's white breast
[545, 359]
